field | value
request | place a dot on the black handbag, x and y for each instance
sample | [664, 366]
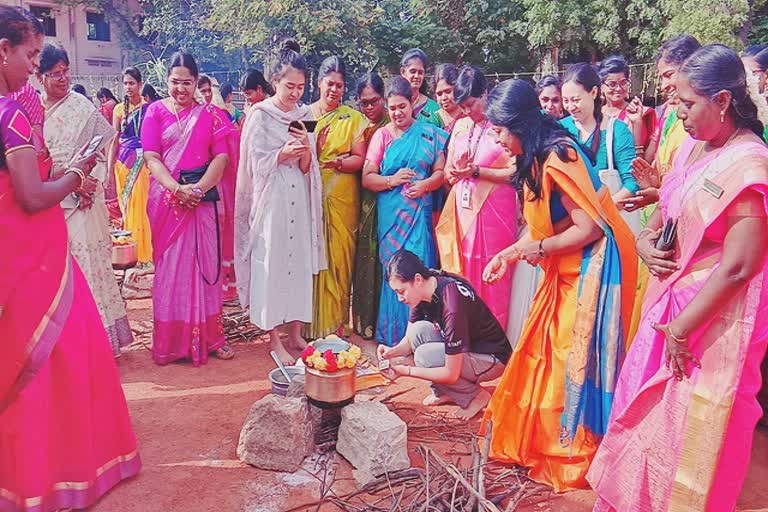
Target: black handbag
[193, 176]
[666, 242]
[190, 177]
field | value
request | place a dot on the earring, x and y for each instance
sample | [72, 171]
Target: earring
[722, 117]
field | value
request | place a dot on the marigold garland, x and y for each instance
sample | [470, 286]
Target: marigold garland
[327, 361]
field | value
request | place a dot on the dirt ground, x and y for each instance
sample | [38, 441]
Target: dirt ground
[188, 420]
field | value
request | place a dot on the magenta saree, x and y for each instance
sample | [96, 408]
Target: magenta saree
[674, 446]
[65, 434]
[187, 288]
[479, 218]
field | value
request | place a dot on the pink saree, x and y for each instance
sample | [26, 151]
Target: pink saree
[674, 446]
[469, 235]
[65, 434]
[187, 288]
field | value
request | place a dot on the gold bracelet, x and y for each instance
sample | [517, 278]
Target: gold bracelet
[389, 182]
[79, 172]
[675, 338]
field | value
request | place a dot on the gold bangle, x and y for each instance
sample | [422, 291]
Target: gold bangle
[675, 338]
[389, 182]
[80, 174]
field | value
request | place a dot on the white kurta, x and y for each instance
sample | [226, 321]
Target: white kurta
[279, 243]
[281, 266]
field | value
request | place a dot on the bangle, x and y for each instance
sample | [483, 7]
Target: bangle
[79, 172]
[476, 172]
[541, 248]
[176, 190]
[389, 182]
[681, 339]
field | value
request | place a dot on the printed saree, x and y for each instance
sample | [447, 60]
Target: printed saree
[554, 400]
[681, 446]
[405, 223]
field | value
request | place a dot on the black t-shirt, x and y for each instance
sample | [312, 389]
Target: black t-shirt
[465, 321]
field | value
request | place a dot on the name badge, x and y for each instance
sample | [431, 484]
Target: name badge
[466, 197]
[712, 189]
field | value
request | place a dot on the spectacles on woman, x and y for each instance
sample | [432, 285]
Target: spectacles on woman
[59, 75]
[613, 84]
[369, 103]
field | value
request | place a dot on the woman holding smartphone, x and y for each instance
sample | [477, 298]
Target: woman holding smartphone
[71, 123]
[279, 242]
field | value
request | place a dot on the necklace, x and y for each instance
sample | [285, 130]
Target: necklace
[176, 113]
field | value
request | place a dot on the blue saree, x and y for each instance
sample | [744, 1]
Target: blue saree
[405, 223]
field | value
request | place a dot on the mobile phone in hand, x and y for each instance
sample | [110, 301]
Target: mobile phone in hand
[310, 125]
[92, 146]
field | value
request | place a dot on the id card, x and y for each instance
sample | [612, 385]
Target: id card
[384, 364]
[466, 197]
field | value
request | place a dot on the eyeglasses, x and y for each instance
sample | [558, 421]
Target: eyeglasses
[369, 103]
[59, 75]
[613, 84]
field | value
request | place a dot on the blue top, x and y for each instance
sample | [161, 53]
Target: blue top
[623, 151]
[557, 211]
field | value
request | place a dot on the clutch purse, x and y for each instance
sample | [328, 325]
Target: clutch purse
[666, 242]
[193, 176]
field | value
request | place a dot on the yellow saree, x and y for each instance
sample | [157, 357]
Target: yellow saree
[341, 209]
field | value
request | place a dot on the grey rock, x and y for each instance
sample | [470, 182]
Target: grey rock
[296, 387]
[373, 439]
[137, 284]
[277, 435]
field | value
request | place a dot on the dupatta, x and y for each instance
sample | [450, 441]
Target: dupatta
[264, 133]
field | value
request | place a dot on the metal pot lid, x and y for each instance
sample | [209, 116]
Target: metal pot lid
[332, 342]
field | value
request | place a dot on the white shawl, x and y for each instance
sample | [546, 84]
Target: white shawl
[264, 134]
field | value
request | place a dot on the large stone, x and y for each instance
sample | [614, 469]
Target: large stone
[373, 439]
[296, 387]
[137, 283]
[277, 434]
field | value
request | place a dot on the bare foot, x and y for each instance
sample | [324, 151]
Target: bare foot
[432, 400]
[475, 406]
[285, 357]
[297, 344]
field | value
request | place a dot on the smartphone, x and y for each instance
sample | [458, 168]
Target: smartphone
[311, 125]
[93, 146]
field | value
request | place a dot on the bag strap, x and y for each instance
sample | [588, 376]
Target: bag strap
[609, 142]
[218, 249]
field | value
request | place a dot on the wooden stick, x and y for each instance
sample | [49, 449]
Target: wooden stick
[484, 458]
[457, 474]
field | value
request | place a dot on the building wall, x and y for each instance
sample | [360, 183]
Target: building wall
[87, 57]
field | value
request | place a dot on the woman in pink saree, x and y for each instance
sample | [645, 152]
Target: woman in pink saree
[65, 433]
[186, 150]
[684, 409]
[480, 215]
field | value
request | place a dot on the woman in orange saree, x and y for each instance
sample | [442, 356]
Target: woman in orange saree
[65, 434]
[685, 409]
[554, 399]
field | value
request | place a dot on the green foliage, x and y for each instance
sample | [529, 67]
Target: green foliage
[500, 35]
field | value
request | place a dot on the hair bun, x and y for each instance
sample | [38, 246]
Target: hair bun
[290, 45]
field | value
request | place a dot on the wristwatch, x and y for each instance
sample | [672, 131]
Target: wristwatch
[476, 173]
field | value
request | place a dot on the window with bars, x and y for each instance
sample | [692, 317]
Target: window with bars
[46, 17]
[98, 27]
